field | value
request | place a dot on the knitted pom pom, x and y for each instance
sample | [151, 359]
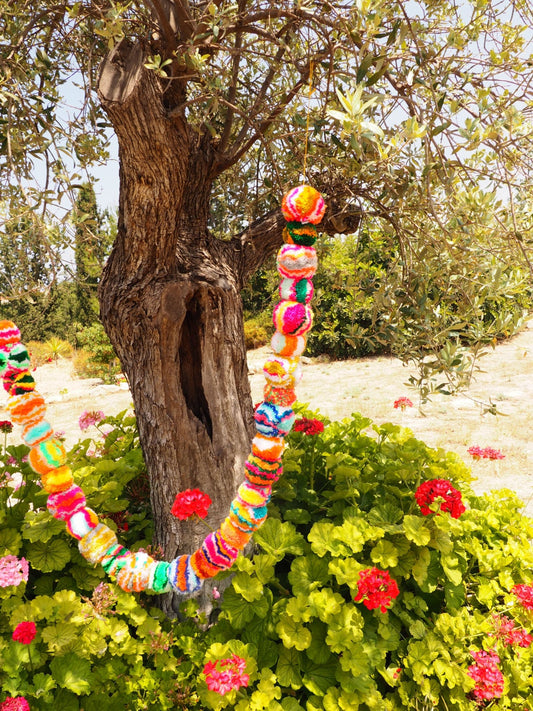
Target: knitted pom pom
[47, 455]
[300, 290]
[114, 558]
[18, 382]
[273, 421]
[269, 448]
[9, 335]
[261, 472]
[252, 495]
[292, 318]
[159, 577]
[34, 433]
[66, 503]
[134, 575]
[286, 397]
[282, 371]
[18, 358]
[26, 409]
[57, 480]
[247, 518]
[94, 544]
[202, 567]
[182, 577]
[3, 363]
[233, 535]
[288, 346]
[80, 523]
[218, 552]
[296, 233]
[295, 262]
[303, 204]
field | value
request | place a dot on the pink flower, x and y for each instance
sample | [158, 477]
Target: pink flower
[504, 629]
[308, 426]
[525, 594]
[190, 502]
[439, 489]
[487, 675]
[485, 453]
[402, 402]
[224, 675]
[13, 571]
[376, 589]
[216, 594]
[25, 632]
[15, 703]
[89, 418]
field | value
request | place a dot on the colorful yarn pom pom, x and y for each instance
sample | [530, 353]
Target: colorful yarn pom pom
[274, 418]
[303, 204]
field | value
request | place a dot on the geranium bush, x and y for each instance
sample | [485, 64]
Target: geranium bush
[379, 581]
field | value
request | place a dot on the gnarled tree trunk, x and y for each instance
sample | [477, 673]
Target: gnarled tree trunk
[170, 302]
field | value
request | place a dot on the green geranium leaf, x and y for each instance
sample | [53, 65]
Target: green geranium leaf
[41, 526]
[308, 573]
[42, 684]
[263, 567]
[72, 673]
[239, 611]
[10, 541]
[290, 704]
[320, 537]
[416, 530]
[346, 571]
[288, 668]
[59, 635]
[420, 568]
[385, 554]
[248, 586]
[455, 596]
[325, 604]
[49, 556]
[293, 633]
[345, 630]
[318, 678]
[279, 538]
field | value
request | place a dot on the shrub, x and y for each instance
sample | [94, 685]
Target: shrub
[310, 635]
[97, 358]
[256, 333]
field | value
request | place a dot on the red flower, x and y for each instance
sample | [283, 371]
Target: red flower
[402, 402]
[525, 594]
[15, 703]
[485, 453]
[376, 589]
[25, 632]
[190, 502]
[308, 426]
[224, 675]
[487, 675]
[451, 499]
[504, 629]
[6, 426]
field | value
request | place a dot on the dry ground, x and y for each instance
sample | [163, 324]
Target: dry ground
[370, 386]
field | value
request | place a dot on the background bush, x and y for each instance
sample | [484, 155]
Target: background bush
[345, 503]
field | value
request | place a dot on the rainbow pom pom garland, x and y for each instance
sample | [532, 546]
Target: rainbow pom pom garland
[303, 208]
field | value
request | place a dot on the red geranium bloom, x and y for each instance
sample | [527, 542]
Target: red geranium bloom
[485, 453]
[402, 402]
[451, 498]
[15, 703]
[308, 426]
[504, 629]
[224, 675]
[487, 675]
[525, 594]
[376, 589]
[190, 502]
[25, 632]
[6, 426]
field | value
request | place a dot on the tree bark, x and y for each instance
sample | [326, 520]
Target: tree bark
[170, 303]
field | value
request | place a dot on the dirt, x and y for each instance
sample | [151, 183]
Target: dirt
[369, 386]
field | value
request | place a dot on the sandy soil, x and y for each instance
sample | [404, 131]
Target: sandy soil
[369, 386]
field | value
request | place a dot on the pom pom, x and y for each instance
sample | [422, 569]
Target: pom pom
[159, 577]
[182, 577]
[66, 503]
[233, 535]
[80, 523]
[134, 575]
[18, 358]
[296, 233]
[33, 433]
[18, 382]
[303, 204]
[247, 518]
[285, 397]
[202, 567]
[251, 495]
[269, 448]
[300, 290]
[26, 409]
[282, 371]
[95, 543]
[3, 363]
[260, 472]
[57, 480]
[47, 455]
[288, 346]
[273, 421]
[292, 319]
[218, 552]
[114, 558]
[9, 335]
[295, 262]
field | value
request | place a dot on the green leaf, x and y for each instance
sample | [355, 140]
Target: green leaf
[420, 568]
[239, 611]
[42, 684]
[319, 677]
[325, 604]
[59, 635]
[49, 556]
[320, 536]
[250, 587]
[279, 538]
[10, 541]
[41, 526]
[345, 630]
[288, 668]
[416, 530]
[293, 633]
[385, 554]
[307, 573]
[72, 673]
[290, 704]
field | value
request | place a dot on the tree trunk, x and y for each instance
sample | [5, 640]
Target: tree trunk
[171, 306]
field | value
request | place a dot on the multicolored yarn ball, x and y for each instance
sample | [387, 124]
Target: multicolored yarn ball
[297, 233]
[303, 204]
[9, 335]
[274, 418]
[295, 262]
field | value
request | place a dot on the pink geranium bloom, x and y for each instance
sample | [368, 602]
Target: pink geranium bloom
[487, 675]
[13, 571]
[15, 703]
[485, 453]
[225, 675]
[402, 403]
[88, 418]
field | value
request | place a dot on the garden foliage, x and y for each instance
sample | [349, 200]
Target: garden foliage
[345, 504]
